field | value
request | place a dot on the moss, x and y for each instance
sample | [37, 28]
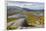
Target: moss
[11, 19]
[32, 19]
[11, 27]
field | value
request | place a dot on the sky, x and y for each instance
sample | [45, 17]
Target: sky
[30, 5]
[28, 0]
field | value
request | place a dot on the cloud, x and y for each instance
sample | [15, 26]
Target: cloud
[30, 5]
[27, 0]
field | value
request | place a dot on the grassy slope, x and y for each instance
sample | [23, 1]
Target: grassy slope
[11, 20]
[31, 19]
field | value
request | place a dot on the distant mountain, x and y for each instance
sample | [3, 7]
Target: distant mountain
[27, 9]
[14, 9]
